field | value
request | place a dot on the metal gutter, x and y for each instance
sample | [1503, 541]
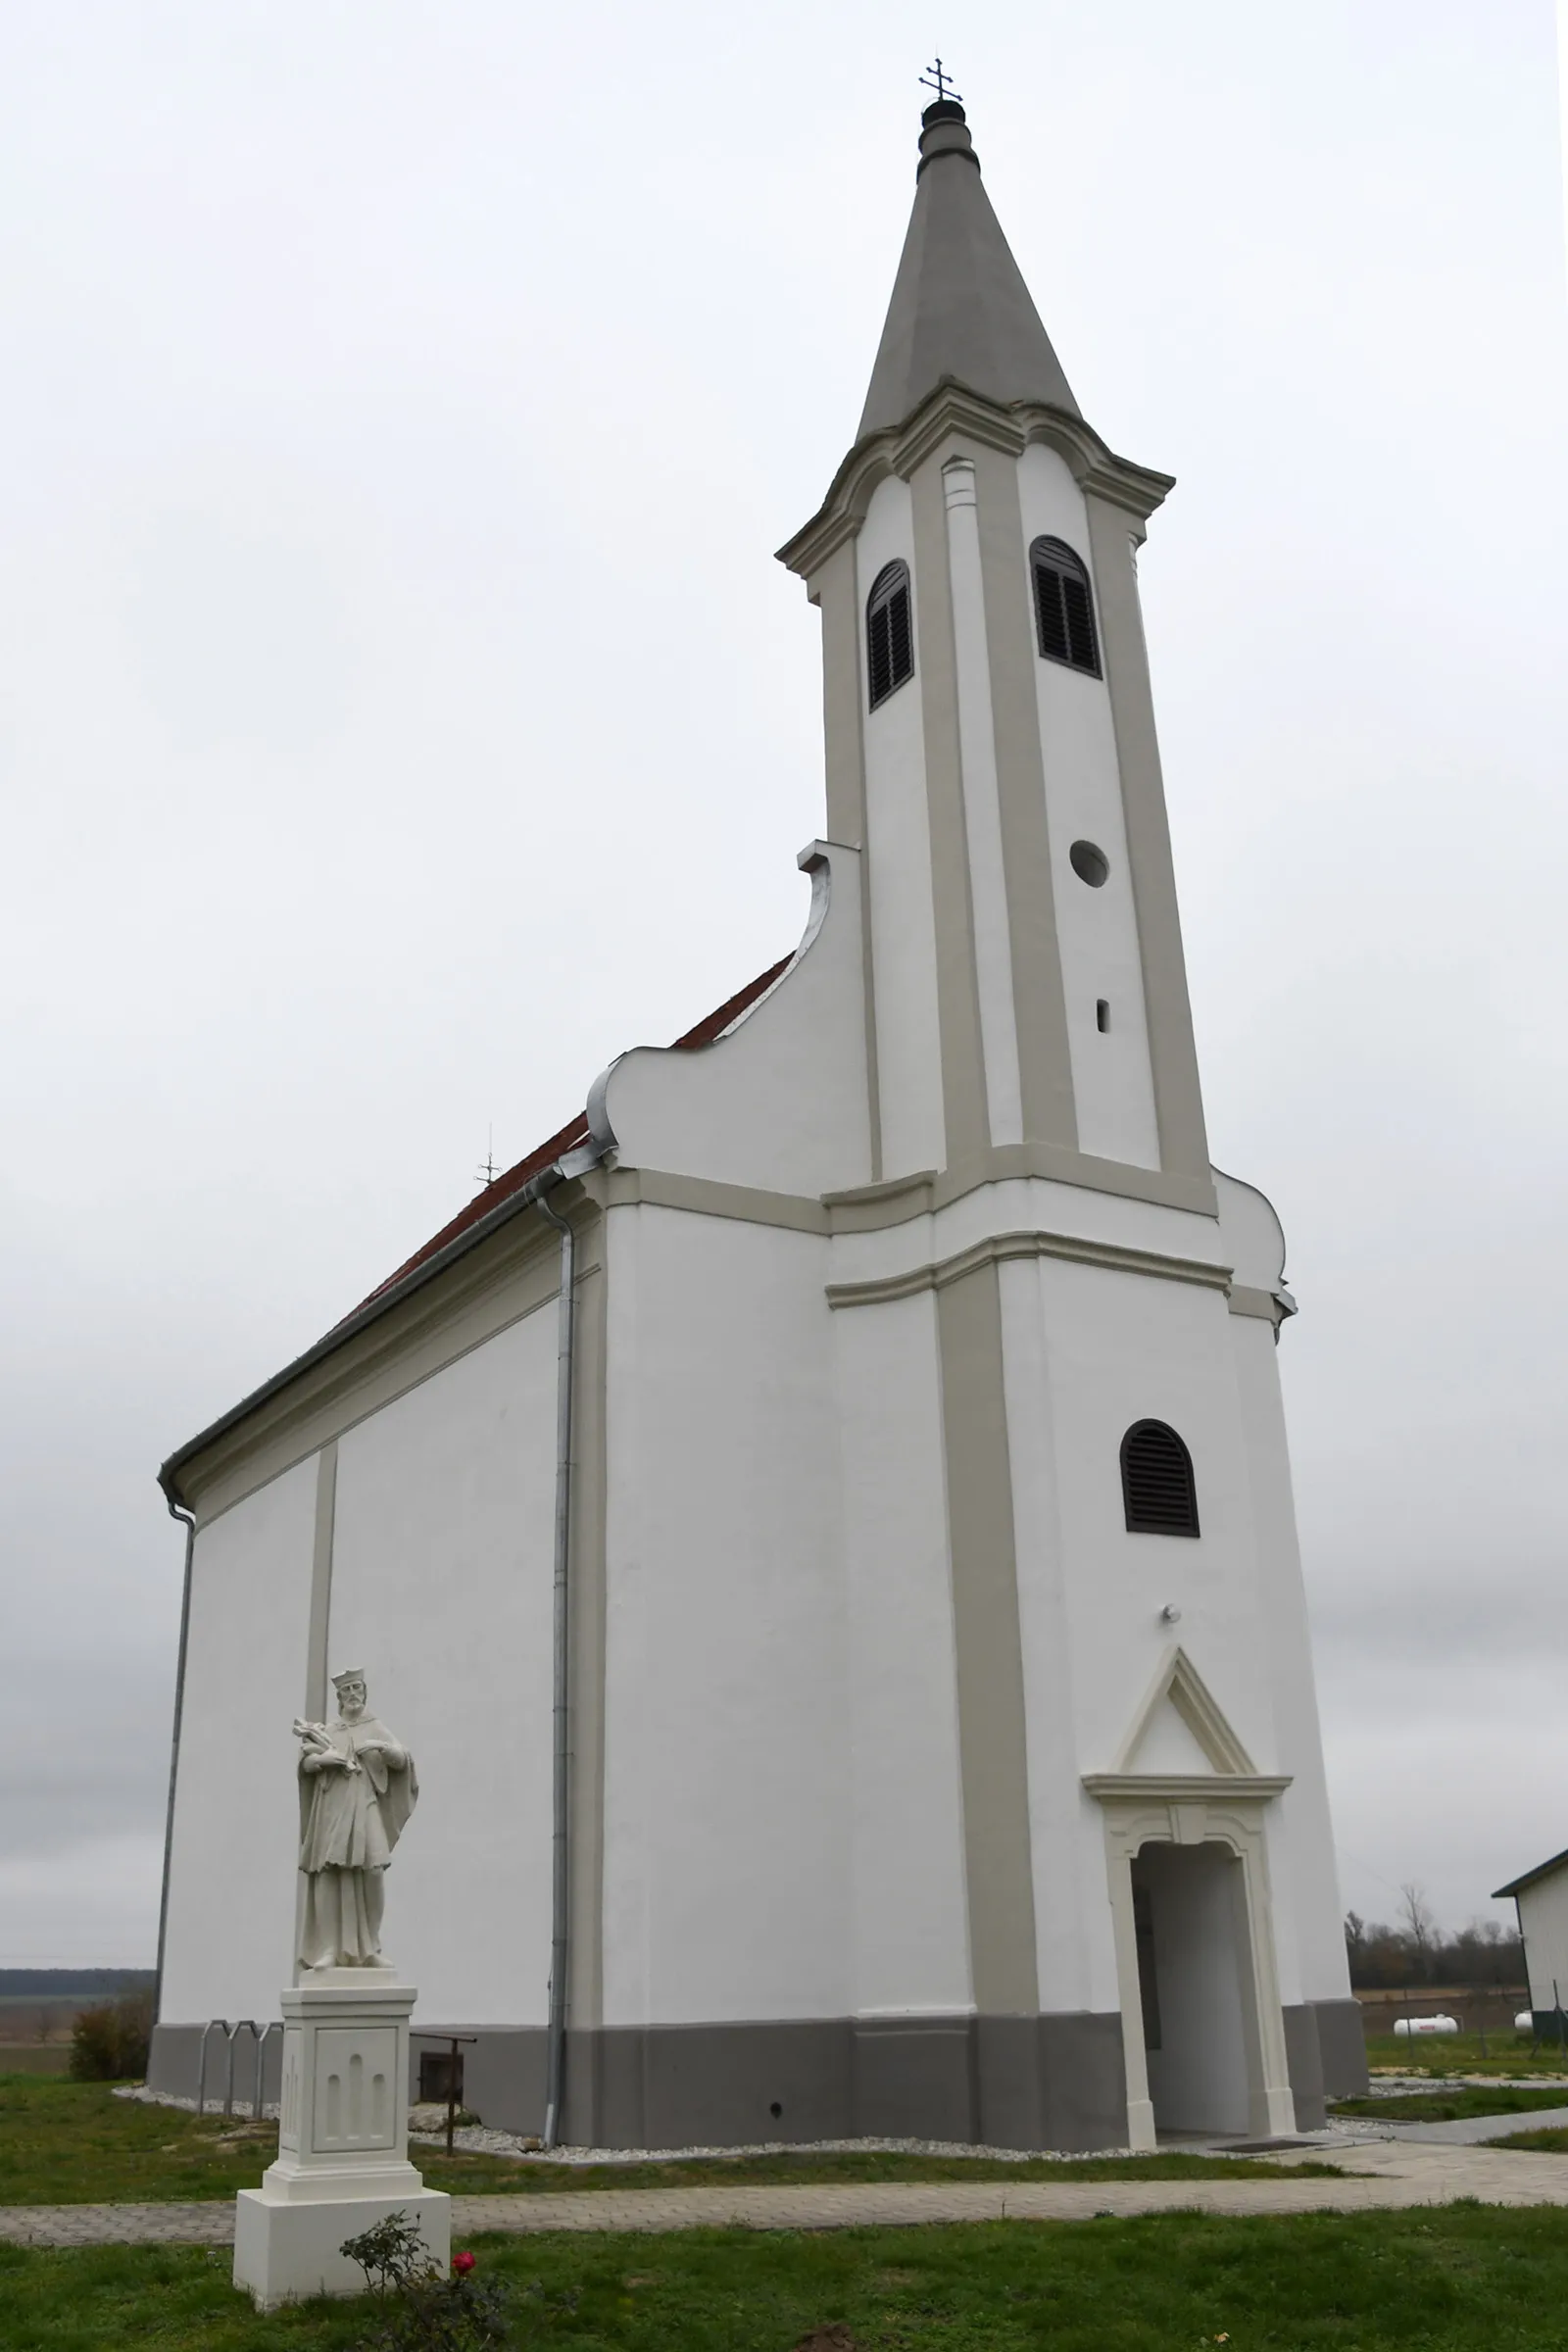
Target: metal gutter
[189, 1524]
[561, 1790]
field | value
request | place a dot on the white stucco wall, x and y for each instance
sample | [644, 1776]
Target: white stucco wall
[1075, 1953]
[726, 1824]
[898, 849]
[442, 1590]
[1309, 1916]
[1544, 1918]
[908, 1905]
[1088, 1350]
[236, 1815]
[782, 1100]
[1097, 929]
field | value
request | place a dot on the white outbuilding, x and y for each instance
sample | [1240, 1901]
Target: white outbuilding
[856, 1655]
[1541, 1900]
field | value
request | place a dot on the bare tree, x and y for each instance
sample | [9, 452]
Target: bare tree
[1419, 1924]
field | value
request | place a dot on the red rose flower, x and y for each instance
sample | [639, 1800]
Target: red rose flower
[462, 2264]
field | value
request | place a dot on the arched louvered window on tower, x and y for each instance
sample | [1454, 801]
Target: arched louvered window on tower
[1065, 606]
[1157, 1481]
[889, 632]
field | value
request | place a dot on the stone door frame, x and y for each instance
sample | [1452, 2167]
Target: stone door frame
[1199, 1810]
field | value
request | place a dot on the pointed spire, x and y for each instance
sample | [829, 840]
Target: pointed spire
[960, 305]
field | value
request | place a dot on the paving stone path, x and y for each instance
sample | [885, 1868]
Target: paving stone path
[1474, 2129]
[1378, 2176]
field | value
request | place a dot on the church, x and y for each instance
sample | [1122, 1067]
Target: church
[822, 1523]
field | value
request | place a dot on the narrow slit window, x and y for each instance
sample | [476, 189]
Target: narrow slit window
[1101, 1014]
[1157, 1481]
[889, 633]
[1065, 606]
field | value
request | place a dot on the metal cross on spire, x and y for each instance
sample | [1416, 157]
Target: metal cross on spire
[936, 80]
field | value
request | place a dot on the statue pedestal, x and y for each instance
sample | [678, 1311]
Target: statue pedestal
[343, 2142]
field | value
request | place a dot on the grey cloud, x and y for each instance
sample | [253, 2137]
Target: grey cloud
[404, 714]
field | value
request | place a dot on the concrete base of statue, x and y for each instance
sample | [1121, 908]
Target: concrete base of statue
[343, 2142]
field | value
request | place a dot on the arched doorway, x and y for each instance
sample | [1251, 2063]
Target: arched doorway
[1195, 1982]
[1202, 2031]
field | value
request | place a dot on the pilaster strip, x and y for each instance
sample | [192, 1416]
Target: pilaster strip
[964, 1087]
[835, 592]
[1044, 1063]
[1172, 1053]
[320, 1617]
[996, 1247]
[992, 1734]
[838, 596]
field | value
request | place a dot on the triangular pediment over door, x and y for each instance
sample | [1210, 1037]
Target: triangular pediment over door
[1180, 1735]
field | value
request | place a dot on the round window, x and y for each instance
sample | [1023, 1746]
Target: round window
[1089, 864]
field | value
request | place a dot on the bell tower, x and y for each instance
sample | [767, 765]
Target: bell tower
[991, 738]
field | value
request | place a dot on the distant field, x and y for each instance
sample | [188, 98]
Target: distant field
[1440, 2056]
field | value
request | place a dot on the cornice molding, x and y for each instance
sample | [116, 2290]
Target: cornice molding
[868, 1208]
[1186, 1787]
[704, 1196]
[998, 1247]
[952, 408]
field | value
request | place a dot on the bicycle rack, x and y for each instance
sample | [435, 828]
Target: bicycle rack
[219, 2025]
[262, 2040]
[242, 2025]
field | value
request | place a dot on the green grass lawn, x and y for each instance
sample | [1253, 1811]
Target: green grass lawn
[1549, 2144]
[1456, 2278]
[1448, 2106]
[1462, 2055]
[74, 2143]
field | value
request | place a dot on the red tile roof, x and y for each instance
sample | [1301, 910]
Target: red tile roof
[567, 1138]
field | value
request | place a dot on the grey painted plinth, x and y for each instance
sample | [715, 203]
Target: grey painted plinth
[1052, 2081]
[1028, 2082]
[1342, 2038]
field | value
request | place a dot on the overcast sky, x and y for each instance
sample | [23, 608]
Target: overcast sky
[401, 713]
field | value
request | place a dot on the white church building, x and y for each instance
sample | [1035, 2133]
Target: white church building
[882, 1701]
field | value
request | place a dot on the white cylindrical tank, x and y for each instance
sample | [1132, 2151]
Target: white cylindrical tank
[1426, 2025]
[1525, 2022]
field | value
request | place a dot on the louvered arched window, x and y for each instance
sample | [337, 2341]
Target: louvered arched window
[1065, 606]
[889, 633]
[1157, 1481]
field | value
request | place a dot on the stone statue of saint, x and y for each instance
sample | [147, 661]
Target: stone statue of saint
[357, 1791]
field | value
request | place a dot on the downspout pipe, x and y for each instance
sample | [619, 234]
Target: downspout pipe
[188, 1522]
[559, 1874]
